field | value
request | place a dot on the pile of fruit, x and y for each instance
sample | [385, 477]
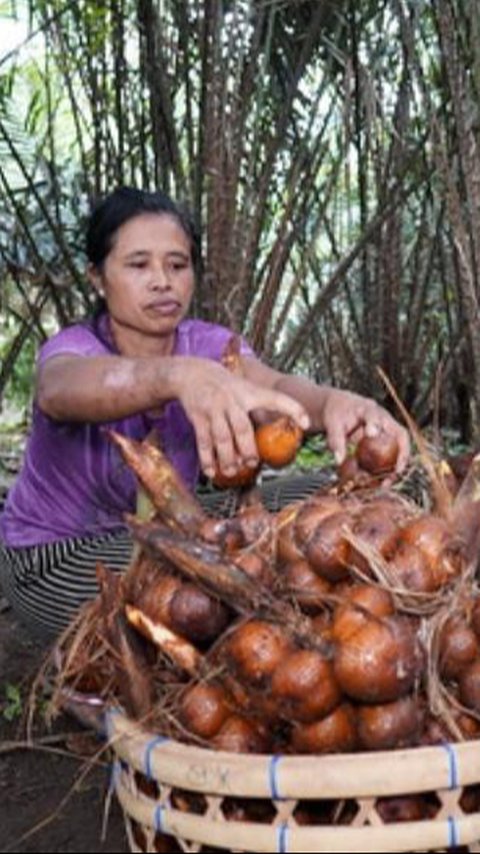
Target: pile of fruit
[348, 621]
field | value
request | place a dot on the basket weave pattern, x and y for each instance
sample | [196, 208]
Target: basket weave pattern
[178, 797]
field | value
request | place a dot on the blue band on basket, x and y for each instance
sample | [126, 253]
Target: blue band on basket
[452, 766]
[158, 819]
[114, 775]
[108, 724]
[453, 832]
[273, 778]
[147, 760]
[282, 839]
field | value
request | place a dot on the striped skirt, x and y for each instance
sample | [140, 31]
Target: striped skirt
[47, 584]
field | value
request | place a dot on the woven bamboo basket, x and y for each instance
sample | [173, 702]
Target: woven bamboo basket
[182, 798]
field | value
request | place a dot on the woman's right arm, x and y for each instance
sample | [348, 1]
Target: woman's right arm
[102, 388]
[218, 404]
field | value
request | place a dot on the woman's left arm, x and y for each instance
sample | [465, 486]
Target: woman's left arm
[342, 415]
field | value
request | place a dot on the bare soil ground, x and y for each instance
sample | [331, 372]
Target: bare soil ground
[35, 813]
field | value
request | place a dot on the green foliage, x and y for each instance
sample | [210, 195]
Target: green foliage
[19, 388]
[12, 705]
[314, 454]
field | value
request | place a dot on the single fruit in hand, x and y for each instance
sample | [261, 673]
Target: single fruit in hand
[377, 454]
[278, 441]
[244, 476]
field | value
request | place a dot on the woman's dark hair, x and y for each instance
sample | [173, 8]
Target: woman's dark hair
[124, 204]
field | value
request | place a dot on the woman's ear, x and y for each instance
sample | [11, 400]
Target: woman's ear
[95, 278]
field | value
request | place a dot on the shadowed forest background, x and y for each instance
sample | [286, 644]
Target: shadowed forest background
[328, 149]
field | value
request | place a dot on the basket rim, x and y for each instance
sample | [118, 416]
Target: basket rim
[376, 774]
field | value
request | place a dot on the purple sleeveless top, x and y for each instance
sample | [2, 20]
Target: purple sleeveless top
[73, 482]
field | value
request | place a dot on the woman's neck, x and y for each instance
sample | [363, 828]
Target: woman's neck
[130, 342]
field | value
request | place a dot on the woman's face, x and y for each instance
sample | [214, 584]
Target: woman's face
[147, 278]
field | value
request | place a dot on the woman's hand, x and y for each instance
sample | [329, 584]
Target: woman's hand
[347, 417]
[218, 404]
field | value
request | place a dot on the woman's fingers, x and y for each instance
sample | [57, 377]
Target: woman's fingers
[243, 430]
[225, 440]
[220, 408]
[349, 417]
[255, 397]
[382, 421]
[223, 427]
[206, 456]
[404, 450]
[232, 441]
[337, 441]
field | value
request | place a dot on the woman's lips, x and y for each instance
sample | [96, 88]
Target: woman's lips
[163, 307]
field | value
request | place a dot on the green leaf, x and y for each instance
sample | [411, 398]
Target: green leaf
[12, 708]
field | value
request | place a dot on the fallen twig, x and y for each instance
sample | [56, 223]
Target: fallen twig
[42, 744]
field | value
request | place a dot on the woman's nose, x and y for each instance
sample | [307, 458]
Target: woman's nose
[159, 279]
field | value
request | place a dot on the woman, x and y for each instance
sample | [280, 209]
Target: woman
[137, 365]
